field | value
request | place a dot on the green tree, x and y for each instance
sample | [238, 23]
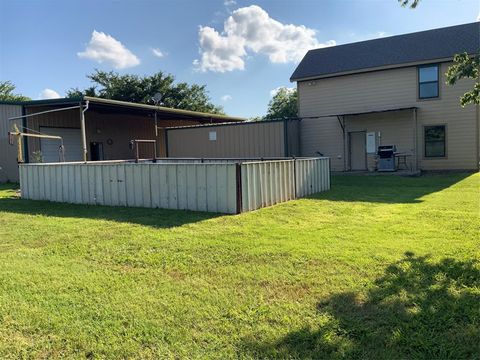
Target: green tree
[141, 89]
[465, 67]
[7, 92]
[283, 104]
[410, 3]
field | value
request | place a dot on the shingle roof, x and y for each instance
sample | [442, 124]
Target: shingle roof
[420, 46]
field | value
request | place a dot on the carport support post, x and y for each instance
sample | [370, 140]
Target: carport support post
[415, 140]
[83, 131]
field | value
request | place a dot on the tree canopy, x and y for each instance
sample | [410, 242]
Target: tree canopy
[283, 104]
[410, 3]
[466, 67]
[7, 92]
[142, 89]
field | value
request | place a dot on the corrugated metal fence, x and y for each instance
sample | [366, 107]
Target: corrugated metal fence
[225, 186]
[267, 183]
[312, 175]
[202, 187]
[270, 182]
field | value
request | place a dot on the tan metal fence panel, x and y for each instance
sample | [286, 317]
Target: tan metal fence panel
[267, 183]
[193, 186]
[312, 175]
[251, 139]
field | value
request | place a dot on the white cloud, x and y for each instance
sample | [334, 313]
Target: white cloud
[103, 48]
[220, 53]
[478, 17]
[48, 94]
[252, 29]
[158, 53]
[229, 2]
[226, 97]
[274, 92]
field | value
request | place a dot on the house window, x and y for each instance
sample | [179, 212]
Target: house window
[435, 141]
[428, 82]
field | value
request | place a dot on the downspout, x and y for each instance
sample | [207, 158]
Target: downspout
[25, 140]
[477, 140]
[345, 151]
[82, 129]
[415, 139]
[478, 130]
[166, 142]
[342, 125]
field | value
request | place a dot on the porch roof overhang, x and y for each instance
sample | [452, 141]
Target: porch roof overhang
[115, 106]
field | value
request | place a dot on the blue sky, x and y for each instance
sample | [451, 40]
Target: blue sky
[51, 45]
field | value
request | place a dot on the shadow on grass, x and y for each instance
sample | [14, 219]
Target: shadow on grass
[157, 218]
[388, 189]
[418, 309]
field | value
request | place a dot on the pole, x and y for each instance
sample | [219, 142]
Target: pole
[43, 112]
[19, 145]
[415, 139]
[83, 131]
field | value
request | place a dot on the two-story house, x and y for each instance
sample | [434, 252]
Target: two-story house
[390, 91]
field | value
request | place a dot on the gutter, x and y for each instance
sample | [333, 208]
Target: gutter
[82, 129]
[25, 140]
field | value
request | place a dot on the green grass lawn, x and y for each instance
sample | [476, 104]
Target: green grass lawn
[378, 267]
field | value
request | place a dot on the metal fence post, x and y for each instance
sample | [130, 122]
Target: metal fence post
[238, 171]
[295, 177]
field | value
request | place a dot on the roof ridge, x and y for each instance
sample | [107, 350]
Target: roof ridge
[395, 36]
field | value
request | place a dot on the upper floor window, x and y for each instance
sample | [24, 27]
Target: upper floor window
[428, 82]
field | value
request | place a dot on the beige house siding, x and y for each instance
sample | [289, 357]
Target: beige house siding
[8, 153]
[262, 139]
[386, 89]
[324, 136]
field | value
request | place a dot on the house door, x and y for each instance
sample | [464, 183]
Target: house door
[358, 150]
[96, 151]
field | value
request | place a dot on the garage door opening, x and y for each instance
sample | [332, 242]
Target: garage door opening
[72, 142]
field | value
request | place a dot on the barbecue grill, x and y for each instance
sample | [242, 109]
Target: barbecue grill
[386, 158]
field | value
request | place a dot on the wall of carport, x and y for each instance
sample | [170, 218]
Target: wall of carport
[114, 131]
